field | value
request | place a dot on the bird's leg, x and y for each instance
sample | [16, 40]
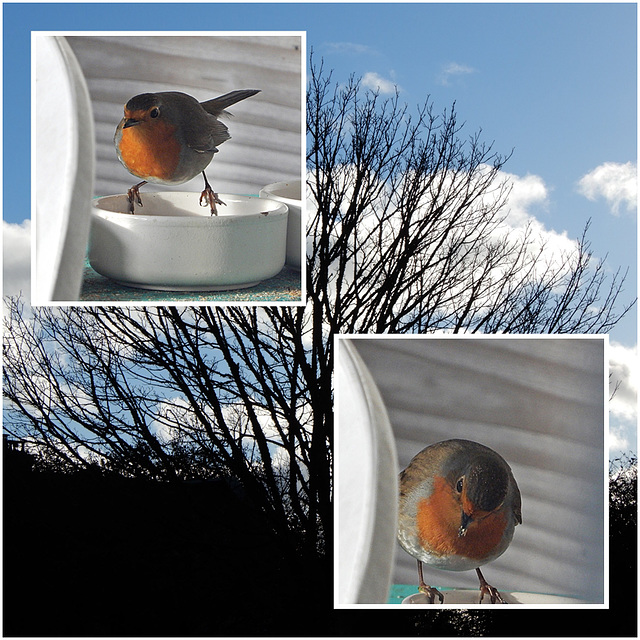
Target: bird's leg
[487, 589]
[432, 592]
[209, 197]
[134, 195]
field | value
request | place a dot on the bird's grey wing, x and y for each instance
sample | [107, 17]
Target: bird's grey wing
[206, 136]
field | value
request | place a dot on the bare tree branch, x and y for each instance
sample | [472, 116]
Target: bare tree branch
[408, 232]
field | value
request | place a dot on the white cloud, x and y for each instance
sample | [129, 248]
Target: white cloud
[550, 249]
[527, 196]
[526, 192]
[623, 365]
[17, 258]
[623, 407]
[374, 81]
[613, 181]
[618, 440]
[171, 413]
[529, 193]
[453, 69]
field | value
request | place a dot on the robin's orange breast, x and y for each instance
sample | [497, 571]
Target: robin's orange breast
[438, 523]
[150, 151]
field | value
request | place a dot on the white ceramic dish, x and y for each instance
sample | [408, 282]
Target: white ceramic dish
[174, 244]
[471, 597]
[291, 194]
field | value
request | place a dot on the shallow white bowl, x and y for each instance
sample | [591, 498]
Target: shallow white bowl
[472, 596]
[291, 194]
[174, 244]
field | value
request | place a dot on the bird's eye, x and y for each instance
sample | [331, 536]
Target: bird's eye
[155, 112]
[459, 485]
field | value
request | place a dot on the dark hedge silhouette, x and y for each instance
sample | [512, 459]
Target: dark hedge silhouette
[95, 554]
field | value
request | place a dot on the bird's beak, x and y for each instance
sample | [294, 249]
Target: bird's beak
[130, 122]
[464, 523]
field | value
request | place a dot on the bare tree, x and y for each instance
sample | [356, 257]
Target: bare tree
[172, 394]
[406, 233]
[407, 229]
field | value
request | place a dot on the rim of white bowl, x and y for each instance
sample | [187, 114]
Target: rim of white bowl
[276, 208]
[270, 188]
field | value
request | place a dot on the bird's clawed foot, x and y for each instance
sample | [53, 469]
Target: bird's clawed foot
[487, 590]
[133, 195]
[431, 593]
[210, 197]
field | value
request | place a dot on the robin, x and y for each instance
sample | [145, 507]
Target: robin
[170, 137]
[459, 505]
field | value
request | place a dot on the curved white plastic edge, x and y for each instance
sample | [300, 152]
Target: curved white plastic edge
[64, 170]
[366, 481]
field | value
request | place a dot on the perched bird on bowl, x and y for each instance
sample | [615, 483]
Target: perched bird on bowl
[459, 505]
[169, 138]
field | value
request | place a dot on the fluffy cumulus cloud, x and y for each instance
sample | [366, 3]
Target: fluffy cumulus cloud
[17, 258]
[526, 192]
[528, 195]
[615, 182]
[374, 81]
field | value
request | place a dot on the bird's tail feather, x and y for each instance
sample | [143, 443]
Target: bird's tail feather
[218, 105]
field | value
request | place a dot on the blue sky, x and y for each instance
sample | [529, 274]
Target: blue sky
[554, 82]
[557, 83]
